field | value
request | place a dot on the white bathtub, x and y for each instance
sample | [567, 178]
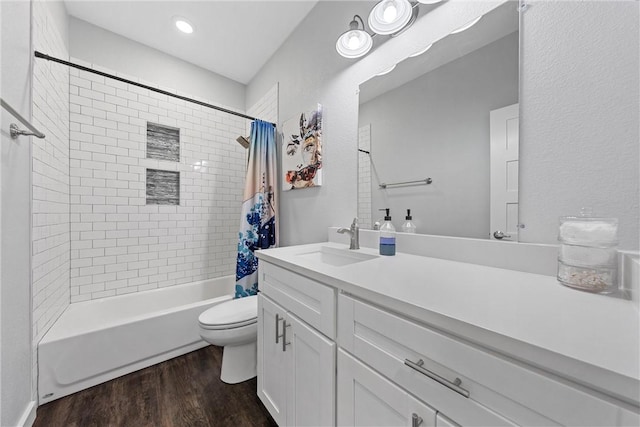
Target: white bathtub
[96, 341]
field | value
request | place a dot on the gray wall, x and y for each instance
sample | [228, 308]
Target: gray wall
[15, 308]
[569, 50]
[438, 126]
[101, 47]
[310, 71]
[579, 127]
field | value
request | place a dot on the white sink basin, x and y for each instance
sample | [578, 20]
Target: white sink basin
[336, 257]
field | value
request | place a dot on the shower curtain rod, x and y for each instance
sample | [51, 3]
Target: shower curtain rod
[153, 89]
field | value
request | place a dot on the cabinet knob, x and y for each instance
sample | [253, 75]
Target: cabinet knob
[416, 420]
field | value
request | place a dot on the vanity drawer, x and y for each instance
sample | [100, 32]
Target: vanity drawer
[390, 343]
[311, 301]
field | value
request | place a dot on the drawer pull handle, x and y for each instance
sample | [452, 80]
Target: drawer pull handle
[455, 385]
[278, 319]
[284, 335]
[416, 420]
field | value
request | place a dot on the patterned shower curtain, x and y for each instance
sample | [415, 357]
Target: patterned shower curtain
[258, 220]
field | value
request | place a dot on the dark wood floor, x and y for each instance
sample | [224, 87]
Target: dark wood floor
[185, 391]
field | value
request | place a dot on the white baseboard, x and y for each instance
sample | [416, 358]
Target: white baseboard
[29, 415]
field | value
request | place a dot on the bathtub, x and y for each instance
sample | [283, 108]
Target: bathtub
[96, 341]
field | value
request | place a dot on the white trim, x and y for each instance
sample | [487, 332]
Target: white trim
[29, 415]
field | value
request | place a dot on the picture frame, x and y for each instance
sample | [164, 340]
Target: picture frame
[302, 150]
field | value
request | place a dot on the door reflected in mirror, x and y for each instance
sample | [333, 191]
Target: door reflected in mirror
[449, 116]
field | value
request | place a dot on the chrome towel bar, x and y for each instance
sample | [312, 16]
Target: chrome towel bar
[13, 128]
[425, 181]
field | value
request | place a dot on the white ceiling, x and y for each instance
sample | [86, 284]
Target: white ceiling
[232, 38]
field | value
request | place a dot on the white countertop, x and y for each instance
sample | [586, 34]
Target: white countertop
[591, 339]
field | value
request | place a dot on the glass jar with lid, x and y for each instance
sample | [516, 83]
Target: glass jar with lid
[588, 253]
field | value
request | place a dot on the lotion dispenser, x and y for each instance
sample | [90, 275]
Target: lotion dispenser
[387, 236]
[408, 226]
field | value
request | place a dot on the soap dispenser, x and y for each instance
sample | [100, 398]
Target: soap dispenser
[387, 236]
[408, 226]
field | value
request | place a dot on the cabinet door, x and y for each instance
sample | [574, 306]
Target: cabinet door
[365, 398]
[272, 370]
[311, 301]
[311, 375]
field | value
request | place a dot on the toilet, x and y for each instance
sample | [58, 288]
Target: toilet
[233, 325]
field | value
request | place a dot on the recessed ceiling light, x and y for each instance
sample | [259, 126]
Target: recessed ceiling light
[184, 25]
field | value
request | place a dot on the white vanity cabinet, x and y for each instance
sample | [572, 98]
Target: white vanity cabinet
[464, 383]
[345, 344]
[365, 398]
[384, 348]
[296, 352]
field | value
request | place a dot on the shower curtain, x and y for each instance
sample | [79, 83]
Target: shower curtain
[258, 220]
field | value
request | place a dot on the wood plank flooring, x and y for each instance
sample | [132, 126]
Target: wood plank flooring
[181, 392]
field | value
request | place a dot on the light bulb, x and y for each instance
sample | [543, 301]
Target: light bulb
[390, 12]
[390, 16]
[184, 26]
[354, 40]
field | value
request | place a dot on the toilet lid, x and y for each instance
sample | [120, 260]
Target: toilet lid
[231, 314]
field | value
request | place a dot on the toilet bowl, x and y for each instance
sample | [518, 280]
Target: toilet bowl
[233, 325]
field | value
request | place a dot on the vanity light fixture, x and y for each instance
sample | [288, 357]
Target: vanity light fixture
[467, 25]
[183, 25]
[355, 42]
[421, 51]
[390, 16]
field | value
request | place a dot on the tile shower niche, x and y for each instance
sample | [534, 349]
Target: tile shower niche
[163, 143]
[163, 187]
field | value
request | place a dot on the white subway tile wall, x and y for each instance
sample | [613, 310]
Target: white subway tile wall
[364, 177]
[119, 244]
[266, 108]
[50, 235]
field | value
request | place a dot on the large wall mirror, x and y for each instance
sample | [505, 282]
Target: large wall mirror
[439, 134]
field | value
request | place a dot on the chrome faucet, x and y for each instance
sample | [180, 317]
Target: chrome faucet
[354, 232]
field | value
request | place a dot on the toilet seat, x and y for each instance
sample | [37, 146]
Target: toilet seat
[231, 314]
[228, 326]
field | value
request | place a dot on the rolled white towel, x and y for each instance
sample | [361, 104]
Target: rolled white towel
[588, 256]
[591, 231]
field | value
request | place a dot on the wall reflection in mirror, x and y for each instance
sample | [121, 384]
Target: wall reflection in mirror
[449, 114]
